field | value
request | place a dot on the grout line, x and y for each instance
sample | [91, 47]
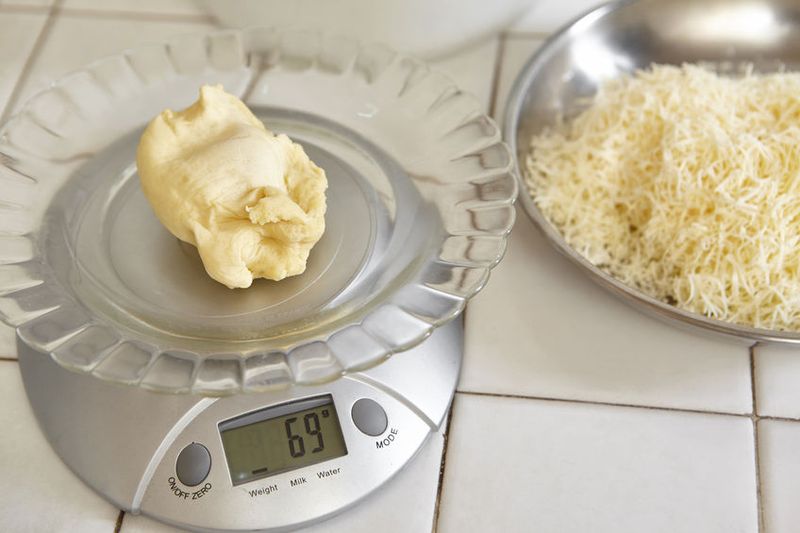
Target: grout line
[120, 518]
[608, 404]
[753, 394]
[630, 405]
[498, 66]
[446, 443]
[762, 526]
[778, 418]
[137, 15]
[32, 56]
[757, 458]
[440, 485]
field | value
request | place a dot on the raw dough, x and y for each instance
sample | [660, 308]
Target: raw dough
[251, 201]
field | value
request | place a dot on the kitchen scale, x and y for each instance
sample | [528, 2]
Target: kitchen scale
[272, 460]
[276, 406]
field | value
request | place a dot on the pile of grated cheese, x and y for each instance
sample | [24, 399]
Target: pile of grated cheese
[685, 185]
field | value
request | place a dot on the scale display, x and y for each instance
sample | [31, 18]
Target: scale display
[282, 438]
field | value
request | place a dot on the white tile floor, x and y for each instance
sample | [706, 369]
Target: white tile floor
[545, 16]
[126, 7]
[576, 413]
[37, 492]
[518, 465]
[604, 351]
[39, 4]
[19, 34]
[74, 41]
[516, 52]
[777, 379]
[779, 442]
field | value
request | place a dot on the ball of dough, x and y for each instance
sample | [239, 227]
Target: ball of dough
[251, 201]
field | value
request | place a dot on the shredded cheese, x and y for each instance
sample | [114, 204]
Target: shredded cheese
[685, 185]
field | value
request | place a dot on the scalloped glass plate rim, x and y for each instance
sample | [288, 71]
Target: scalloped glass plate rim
[313, 345]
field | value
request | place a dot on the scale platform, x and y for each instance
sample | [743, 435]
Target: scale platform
[275, 406]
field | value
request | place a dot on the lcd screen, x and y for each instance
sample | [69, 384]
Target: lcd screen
[282, 438]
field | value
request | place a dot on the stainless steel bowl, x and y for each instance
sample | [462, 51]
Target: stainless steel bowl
[620, 37]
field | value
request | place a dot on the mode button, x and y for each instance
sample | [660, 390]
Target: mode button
[369, 417]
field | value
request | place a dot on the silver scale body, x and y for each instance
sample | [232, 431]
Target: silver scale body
[124, 441]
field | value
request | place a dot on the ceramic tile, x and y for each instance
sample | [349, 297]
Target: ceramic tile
[517, 465]
[74, 42]
[546, 16]
[37, 492]
[777, 374]
[142, 524]
[404, 505]
[472, 69]
[516, 52]
[778, 442]
[556, 334]
[8, 342]
[18, 33]
[181, 7]
[28, 3]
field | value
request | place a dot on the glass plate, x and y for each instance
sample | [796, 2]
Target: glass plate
[420, 203]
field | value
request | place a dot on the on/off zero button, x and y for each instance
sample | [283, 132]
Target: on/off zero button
[193, 464]
[369, 417]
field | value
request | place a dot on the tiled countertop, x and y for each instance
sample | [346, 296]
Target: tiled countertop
[611, 421]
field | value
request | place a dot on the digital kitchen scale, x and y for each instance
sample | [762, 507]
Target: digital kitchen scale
[245, 462]
[275, 406]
